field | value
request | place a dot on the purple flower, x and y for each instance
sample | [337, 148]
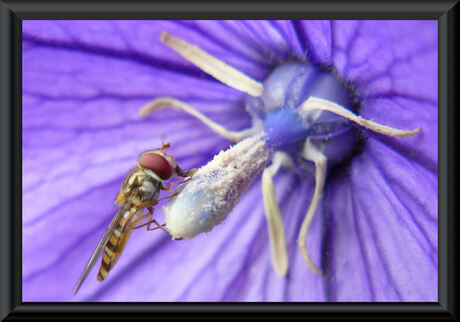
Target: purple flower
[374, 234]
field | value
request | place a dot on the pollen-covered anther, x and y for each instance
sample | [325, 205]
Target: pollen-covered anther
[205, 201]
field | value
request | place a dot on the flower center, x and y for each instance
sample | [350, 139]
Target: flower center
[285, 89]
[299, 111]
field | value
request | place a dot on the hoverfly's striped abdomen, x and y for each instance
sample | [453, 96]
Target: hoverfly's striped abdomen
[113, 249]
[142, 188]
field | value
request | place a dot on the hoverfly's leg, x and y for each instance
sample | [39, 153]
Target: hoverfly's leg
[184, 181]
[182, 173]
[189, 175]
[149, 221]
[168, 187]
[158, 226]
[167, 197]
[273, 215]
[140, 226]
[145, 224]
[213, 66]
[315, 103]
[311, 153]
[147, 203]
[149, 216]
[162, 102]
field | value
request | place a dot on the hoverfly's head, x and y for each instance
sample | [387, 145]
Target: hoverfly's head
[161, 163]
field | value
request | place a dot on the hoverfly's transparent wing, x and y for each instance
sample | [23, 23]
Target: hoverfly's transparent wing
[97, 252]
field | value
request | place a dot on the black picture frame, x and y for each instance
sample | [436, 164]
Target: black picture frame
[11, 15]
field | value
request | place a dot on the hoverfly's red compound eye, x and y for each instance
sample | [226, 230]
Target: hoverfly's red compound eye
[157, 163]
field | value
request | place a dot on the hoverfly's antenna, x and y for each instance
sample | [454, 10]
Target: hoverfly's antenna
[165, 144]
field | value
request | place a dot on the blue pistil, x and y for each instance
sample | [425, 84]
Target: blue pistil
[285, 89]
[285, 130]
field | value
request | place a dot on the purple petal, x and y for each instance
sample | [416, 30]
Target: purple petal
[84, 82]
[384, 230]
[394, 68]
[384, 227]
[316, 37]
[388, 58]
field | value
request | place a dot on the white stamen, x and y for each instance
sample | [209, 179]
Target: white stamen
[273, 216]
[213, 66]
[216, 188]
[315, 103]
[311, 153]
[163, 102]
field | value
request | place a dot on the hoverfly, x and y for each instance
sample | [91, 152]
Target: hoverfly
[139, 191]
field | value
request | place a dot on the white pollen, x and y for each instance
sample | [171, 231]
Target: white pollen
[215, 189]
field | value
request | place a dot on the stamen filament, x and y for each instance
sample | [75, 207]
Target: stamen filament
[315, 103]
[313, 154]
[163, 102]
[273, 215]
[213, 66]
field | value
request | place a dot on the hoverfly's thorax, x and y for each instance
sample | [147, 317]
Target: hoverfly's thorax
[150, 189]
